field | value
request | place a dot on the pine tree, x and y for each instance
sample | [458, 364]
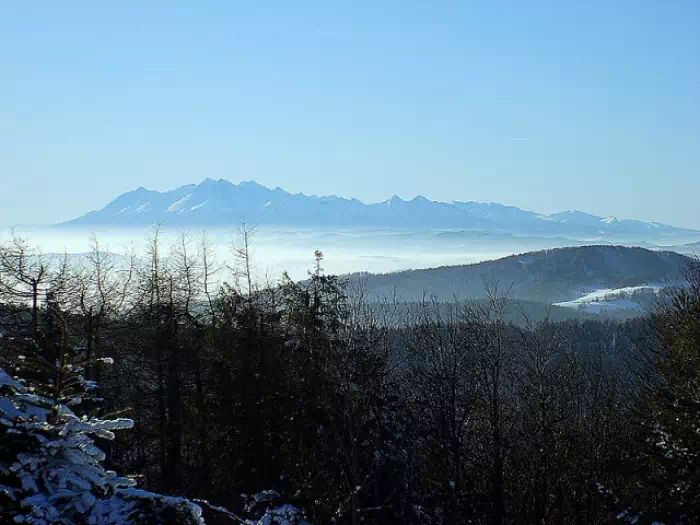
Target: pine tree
[51, 466]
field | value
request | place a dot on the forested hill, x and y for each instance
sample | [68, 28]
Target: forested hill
[545, 276]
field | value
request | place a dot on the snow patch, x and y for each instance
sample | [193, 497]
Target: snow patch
[609, 299]
[143, 207]
[197, 206]
[178, 204]
[596, 307]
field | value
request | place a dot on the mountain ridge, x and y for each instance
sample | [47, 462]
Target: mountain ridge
[223, 203]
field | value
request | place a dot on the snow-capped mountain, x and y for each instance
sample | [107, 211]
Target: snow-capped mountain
[218, 203]
[222, 203]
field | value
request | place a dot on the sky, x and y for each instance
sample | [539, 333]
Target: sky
[546, 105]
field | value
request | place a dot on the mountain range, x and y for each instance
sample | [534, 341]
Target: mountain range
[220, 203]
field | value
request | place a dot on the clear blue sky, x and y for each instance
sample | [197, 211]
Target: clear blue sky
[362, 99]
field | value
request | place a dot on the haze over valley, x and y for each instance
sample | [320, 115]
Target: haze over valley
[400, 249]
[389, 236]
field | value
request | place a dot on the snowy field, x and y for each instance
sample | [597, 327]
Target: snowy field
[608, 299]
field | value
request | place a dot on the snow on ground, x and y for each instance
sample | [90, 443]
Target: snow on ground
[596, 307]
[608, 299]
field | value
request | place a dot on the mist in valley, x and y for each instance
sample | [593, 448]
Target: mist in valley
[275, 251]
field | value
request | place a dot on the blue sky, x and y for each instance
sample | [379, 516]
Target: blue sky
[544, 105]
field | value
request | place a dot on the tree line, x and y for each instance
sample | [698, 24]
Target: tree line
[245, 393]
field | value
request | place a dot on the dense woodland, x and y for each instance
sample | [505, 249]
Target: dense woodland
[354, 412]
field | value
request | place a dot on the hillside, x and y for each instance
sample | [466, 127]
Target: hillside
[547, 276]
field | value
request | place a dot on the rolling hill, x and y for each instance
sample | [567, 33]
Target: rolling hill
[548, 276]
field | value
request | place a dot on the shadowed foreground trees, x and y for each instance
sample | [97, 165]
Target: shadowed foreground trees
[359, 413]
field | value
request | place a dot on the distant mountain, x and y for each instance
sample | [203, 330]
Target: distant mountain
[692, 248]
[569, 222]
[549, 276]
[221, 203]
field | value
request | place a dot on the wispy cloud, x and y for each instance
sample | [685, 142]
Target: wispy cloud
[518, 139]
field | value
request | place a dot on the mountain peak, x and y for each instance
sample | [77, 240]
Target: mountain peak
[207, 183]
[215, 182]
[250, 184]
